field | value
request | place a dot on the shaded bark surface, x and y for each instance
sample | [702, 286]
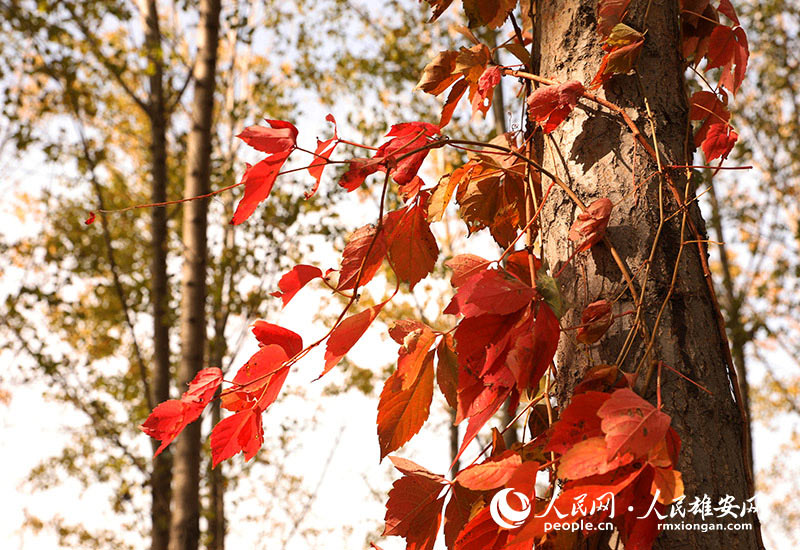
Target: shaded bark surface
[595, 153]
[184, 532]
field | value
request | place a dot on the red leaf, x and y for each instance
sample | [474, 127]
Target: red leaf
[590, 227]
[477, 421]
[727, 47]
[90, 220]
[589, 490]
[355, 256]
[295, 279]
[631, 424]
[280, 138]
[482, 98]
[464, 266]
[404, 405]
[411, 245]
[481, 533]
[578, 422]
[552, 104]
[447, 370]
[491, 291]
[267, 333]
[719, 141]
[408, 137]
[490, 474]
[413, 510]
[261, 379]
[203, 386]
[169, 418]
[455, 95]
[596, 320]
[413, 354]
[359, 169]
[411, 468]
[241, 432]
[727, 10]
[532, 353]
[322, 153]
[346, 334]
[258, 181]
[457, 513]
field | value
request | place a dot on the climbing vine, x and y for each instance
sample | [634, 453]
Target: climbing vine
[608, 456]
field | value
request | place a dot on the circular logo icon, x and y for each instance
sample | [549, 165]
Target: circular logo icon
[506, 516]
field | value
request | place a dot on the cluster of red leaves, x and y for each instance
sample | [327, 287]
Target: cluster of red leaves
[723, 47]
[610, 443]
[466, 69]
[254, 388]
[491, 13]
[490, 190]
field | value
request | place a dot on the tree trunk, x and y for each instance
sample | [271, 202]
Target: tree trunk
[161, 475]
[598, 156]
[184, 532]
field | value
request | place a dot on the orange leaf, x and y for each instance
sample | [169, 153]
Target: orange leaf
[590, 227]
[438, 75]
[589, 457]
[491, 474]
[455, 95]
[355, 256]
[578, 422]
[411, 245]
[404, 406]
[447, 370]
[464, 267]
[669, 483]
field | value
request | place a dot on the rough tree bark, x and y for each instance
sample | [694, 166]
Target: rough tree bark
[161, 475]
[597, 155]
[184, 530]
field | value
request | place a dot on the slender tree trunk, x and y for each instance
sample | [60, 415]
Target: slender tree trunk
[185, 530]
[161, 476]
[594, 153]
[223, 283]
